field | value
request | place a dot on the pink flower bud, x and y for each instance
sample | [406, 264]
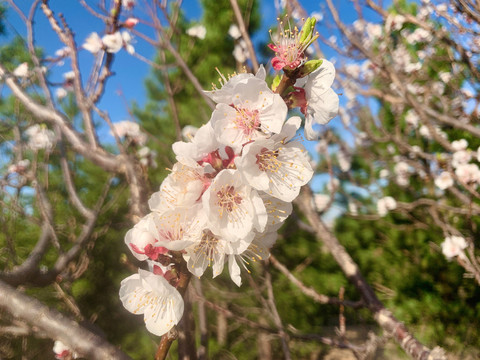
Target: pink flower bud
[131, 22]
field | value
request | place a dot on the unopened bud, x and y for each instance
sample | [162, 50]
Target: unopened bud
[307, 34]
[131, 22]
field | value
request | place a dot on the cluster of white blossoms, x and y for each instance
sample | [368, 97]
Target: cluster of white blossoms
[40, 138]
[464, 170]
[229, 192]
[224, 199]
[111, 43]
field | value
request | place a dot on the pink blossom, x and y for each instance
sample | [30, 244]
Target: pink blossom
[131, 22]
[290, 45]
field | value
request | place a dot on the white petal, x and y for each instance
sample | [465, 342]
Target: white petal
[234, 270]
[166, 314]
[310, 134]
[320, 80]
[132, 294]
[325, 108]
[261, 73]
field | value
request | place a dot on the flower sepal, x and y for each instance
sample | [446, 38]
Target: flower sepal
[309, 67]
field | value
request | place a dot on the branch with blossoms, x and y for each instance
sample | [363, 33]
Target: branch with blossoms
[232, 186]
[235, 178]
[428, 107]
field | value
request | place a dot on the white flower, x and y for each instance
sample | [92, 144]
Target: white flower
[317, 15]
[468, 173]
[69, 76]
[384, 205]
[199, 148]
[404, 62]
[93, 43]
[61, 93]
[394, 22]
[128, 4]
[127, 42]
[233, 208]
[257, 250]
[453, 246]
[229, 87]
[198, 31]
[40, 138]
[441, 8]
[438, 87]
[322, 101]
[353, 70]
[62, 351]
[234, 32]
[460, 158]
[412, 118]
[129, 129]
[415, 150]
[419, 35]
[21, 70]
[19, 167]
[147, 157]
[374, 31]
[459, 145]
[63, 52]
[278, 166]
[152, 295]
[254, 112]
[144, 152]
[402, 180]
[445, 76]
[209, 251]
[177, 229]
[384, 173]
[240, 51]
[426, 133]
[321, 201]
[277, 211]
[141, 241]
[182, 188]
[188, 132]
[401, 168]
[444, 180]
[113, 42]
[344, 160]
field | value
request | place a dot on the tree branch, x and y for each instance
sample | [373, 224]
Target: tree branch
[57, 326]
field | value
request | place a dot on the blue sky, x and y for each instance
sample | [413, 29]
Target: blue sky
[129, 82]
[129, 71]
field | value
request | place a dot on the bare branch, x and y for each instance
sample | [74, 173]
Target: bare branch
[243, 29]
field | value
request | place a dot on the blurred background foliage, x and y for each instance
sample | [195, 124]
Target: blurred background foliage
[401, 262]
